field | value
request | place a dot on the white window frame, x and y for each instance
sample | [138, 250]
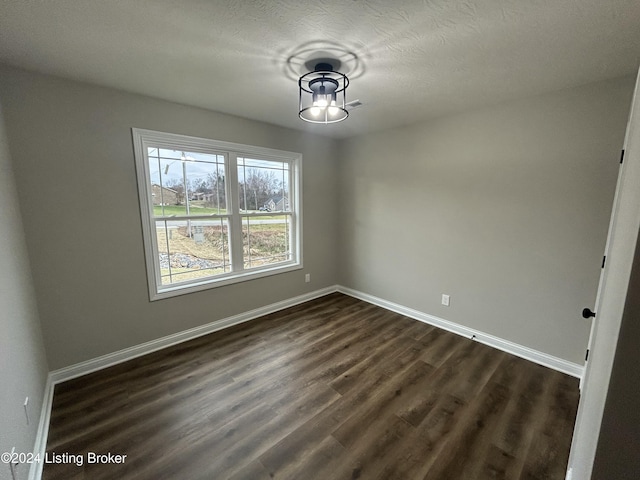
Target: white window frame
[142, 139]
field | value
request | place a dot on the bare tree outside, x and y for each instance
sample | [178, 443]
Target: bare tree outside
[259, 186]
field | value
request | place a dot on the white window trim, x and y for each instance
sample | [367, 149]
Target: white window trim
[148, 138]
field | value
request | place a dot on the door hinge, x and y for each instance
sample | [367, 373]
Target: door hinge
[622, 156]
[586, 357]
[604, 259]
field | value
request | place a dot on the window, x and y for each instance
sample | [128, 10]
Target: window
[215, 213]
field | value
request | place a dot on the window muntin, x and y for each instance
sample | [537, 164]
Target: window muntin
[215, 213]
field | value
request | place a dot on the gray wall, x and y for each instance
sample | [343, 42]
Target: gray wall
[505, 208]
[72, 150]
[23, 366]
[617, 456]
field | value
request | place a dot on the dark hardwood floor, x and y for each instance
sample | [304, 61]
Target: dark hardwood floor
[335, 388]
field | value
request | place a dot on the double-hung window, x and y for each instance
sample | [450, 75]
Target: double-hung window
[215, 213]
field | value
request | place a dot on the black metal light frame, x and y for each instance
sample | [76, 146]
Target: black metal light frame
[323, 95]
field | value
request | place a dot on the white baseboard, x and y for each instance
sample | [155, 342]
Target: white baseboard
[99, 363]
[527, 353]
[40, 446]
[120, 356]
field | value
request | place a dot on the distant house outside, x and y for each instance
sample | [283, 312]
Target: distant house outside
[164, 196]
[277, 204]
[205, 197]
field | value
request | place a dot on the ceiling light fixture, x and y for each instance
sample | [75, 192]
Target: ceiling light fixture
[323, 95]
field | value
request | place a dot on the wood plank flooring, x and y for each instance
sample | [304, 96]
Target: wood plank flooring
[335, 388]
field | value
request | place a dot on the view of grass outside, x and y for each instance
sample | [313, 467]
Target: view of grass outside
[192, 250]
[194, 209]
[195, 249]
[265, 243]
[198, 208]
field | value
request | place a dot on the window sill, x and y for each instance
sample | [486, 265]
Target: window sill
[229, 279]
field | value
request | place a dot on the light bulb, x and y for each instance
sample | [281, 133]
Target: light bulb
[315, 111]
[333, 110]
[322, 102]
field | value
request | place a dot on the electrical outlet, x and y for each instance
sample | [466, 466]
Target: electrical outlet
[445, 300]
[307, 278]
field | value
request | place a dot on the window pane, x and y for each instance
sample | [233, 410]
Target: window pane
[167, 184]
[192, 249]
[186, 183]
[206, 185]
[263, 185]
[266, 240]
[169, 154]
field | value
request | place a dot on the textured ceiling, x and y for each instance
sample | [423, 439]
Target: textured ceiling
[409, 60]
